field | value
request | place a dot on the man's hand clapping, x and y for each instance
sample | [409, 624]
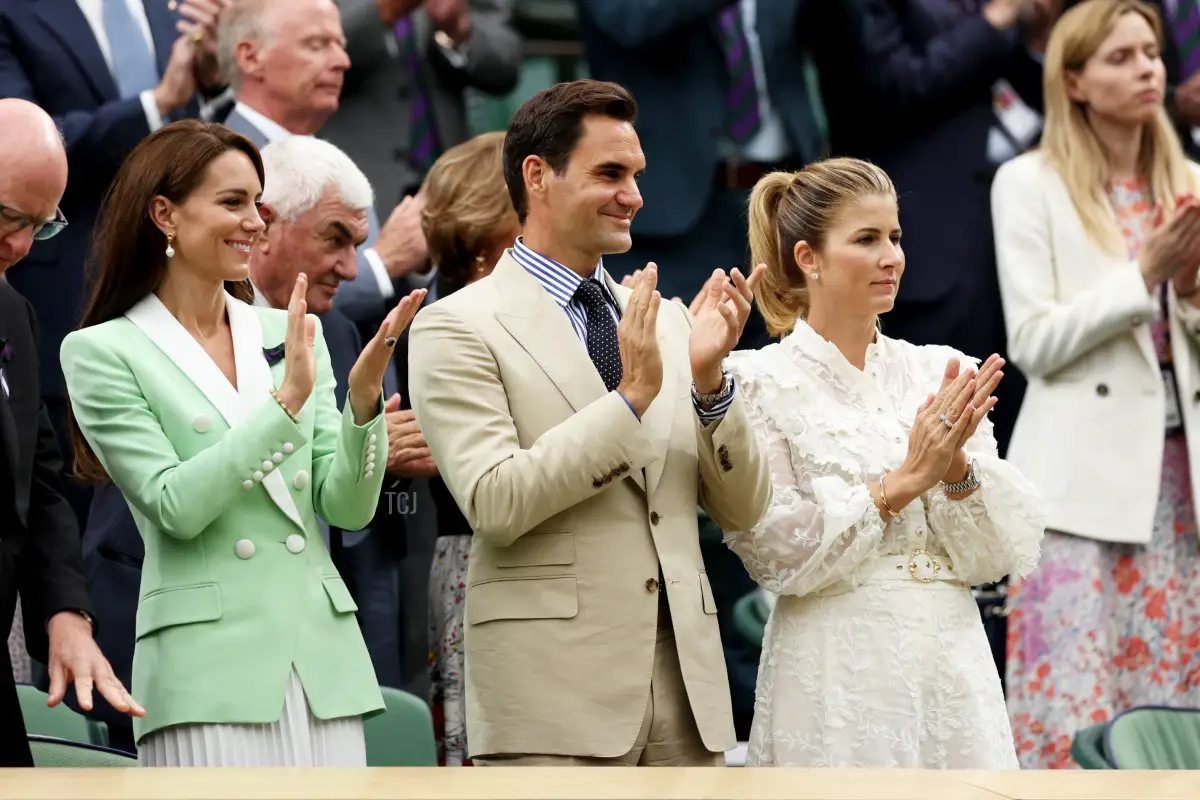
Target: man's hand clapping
[718, 323]
[637, 337]
[401, 244]
[408, 452]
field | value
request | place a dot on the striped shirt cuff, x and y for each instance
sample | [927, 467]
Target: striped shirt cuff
[717, 412]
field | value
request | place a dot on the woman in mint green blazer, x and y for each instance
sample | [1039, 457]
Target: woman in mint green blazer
[216, 419]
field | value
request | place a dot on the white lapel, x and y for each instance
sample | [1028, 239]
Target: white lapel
[255, 383]
[253, 372]
[161, 327]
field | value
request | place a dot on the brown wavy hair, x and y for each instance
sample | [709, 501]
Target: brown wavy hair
[128, 256]
[467, 207]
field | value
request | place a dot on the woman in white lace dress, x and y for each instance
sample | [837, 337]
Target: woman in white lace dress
[890, 501]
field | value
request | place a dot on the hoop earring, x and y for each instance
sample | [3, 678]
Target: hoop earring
[170, 249]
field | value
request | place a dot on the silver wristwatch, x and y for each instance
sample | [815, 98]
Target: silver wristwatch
[967, 484]
[711, 399]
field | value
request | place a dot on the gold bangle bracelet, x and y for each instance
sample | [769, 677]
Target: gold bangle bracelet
[283, 405]
[884, 498]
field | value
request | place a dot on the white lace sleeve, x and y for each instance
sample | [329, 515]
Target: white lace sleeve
[997, 530]
[822, 525]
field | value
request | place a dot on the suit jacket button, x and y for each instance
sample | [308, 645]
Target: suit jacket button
[277, 458]
[267, 466]
[202, 423]
[295, 543]
[1102, 390]
[301, 479]
[247, 484]
[244, 549]
[652, 585]
[654, 518]
[288, 447]
[258, 476]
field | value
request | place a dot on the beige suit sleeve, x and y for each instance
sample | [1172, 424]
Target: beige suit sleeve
[504, 490]
[735, 481]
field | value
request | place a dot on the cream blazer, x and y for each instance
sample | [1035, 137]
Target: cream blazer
[575, 503]
[1091, 429]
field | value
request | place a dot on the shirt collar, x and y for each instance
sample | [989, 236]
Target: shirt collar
[267, 126]
[560, 281]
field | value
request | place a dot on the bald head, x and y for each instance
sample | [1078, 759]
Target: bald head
[33, 175]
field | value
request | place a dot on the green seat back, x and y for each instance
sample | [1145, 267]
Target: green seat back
[1088, 748]
[750, 619]
[1154, 737]
[402, 736]
[57, 753]
[60, 722]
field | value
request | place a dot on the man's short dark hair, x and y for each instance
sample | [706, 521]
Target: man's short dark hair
[550, 124]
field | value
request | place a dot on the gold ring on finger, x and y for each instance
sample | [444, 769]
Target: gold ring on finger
[197, 36]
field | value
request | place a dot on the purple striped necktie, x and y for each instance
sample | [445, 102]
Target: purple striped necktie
[1184, 22]
[742, 119]
[422, 137]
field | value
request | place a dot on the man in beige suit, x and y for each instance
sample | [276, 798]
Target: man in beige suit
[578, 447]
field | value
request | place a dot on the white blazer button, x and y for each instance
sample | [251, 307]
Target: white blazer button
[202, 423]
[258, 476]
[288, 447]
[301, 479]
[277, 458]
[295, 543]
[370, 473]
[267, 466]
[372, 438]
[247, 484]
[244, 549]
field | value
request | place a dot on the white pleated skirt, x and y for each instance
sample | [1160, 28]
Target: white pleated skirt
[298, 739]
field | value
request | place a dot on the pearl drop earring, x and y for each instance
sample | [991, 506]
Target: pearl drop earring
[170, 249]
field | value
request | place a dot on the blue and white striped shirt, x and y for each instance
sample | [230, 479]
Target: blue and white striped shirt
[562, 282]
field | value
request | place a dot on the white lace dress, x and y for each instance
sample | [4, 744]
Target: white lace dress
[875, 654]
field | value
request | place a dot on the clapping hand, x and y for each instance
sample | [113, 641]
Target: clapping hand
[300, 363]
[408, 452]
[364, 386]
[986, 381]
[718, 323]
[637, 338]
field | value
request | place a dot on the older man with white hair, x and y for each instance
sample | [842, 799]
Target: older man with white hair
[285, 61]
[315, 202]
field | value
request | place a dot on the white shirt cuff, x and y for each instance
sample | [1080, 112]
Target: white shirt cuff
[150, 106]
[457, 56]
[386, 290]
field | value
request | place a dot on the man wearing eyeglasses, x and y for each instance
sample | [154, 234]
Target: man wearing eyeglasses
[40, 558]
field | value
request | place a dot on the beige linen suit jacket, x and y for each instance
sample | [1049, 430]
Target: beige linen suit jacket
[575, 503]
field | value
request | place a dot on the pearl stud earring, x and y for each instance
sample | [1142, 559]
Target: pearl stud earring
[815, 276]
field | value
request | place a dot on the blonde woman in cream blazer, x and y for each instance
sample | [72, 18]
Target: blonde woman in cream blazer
[1102, 307]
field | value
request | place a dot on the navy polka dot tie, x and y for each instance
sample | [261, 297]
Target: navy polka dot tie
[601, 332]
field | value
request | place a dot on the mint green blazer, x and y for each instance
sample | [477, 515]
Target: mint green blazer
[237, 584]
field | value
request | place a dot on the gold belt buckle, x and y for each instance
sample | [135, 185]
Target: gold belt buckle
[930, 563]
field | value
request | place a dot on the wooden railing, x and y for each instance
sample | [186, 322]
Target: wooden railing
[591, 784]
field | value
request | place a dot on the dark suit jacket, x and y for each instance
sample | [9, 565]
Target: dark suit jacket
[39, 540]
[919, 105]
[113, 551]
[48, 55]
[668, 55]
[373, 121]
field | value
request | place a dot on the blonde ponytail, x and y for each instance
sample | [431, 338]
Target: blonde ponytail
[782, 295]
[791, 207]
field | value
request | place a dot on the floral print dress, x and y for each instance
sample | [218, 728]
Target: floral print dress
[1100, 627]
